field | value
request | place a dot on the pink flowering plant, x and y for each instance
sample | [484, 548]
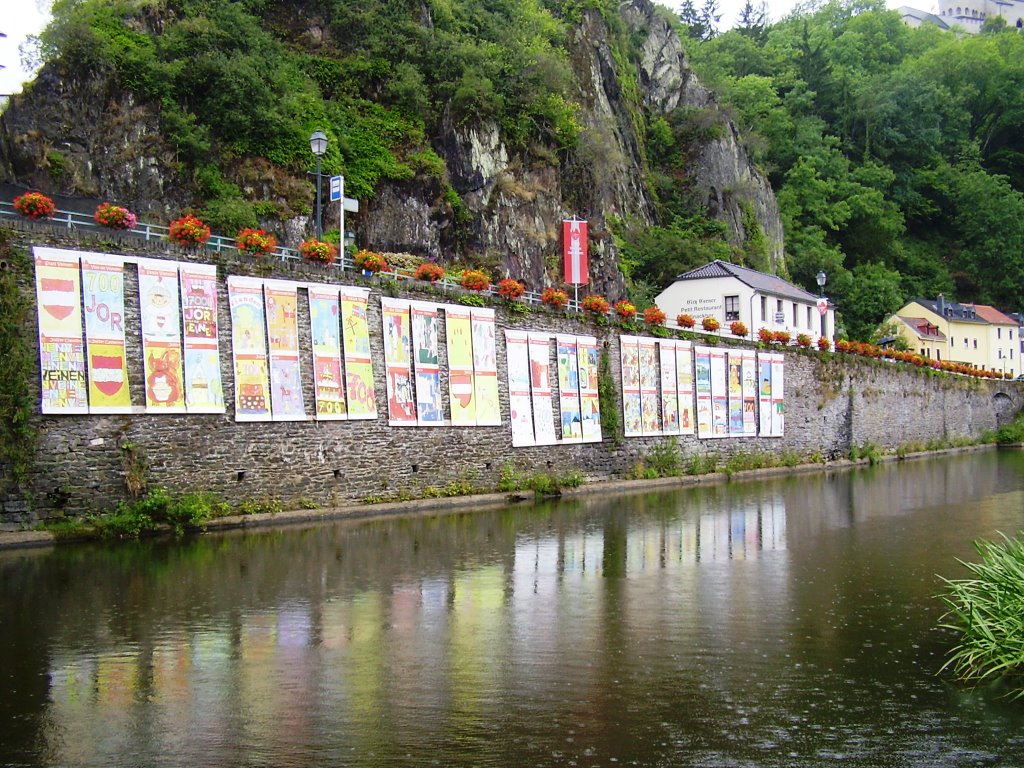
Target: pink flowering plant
[114, 216]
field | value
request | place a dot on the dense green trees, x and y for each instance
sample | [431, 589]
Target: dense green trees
[897, 153]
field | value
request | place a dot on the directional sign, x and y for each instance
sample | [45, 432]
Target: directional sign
[337, 188]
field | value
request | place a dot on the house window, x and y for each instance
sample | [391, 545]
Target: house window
[732, 308]
[1011, 353]
[975, 343]
[999, 333]
[938, 354]
[808, 317]
[796, 317]
[965, 342]
[999, 354]
[952, 341]
[1011, 334]
[764, 308]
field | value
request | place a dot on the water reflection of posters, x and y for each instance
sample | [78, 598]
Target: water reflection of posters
[161, 336]
[328, 383]
[355, 334]
[461, 395]
[286, 403]
[517, 356]
[590, 409]
[735, 368]
[629, 356]
[204, 389]
[103, 290]
[569, 389]
[397, 361]
[702, 381]
[485, 368]
[248, 349]
[719, 395]
[749, 393]
[61, 351]
[650, 400]
[540, 389]
[778, 396]
[429, 407]
[764, 393]
[684, 380]
[669, 387]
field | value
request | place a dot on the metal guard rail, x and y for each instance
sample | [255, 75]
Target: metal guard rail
[219, 243]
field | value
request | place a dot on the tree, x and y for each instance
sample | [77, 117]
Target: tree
[753, 21]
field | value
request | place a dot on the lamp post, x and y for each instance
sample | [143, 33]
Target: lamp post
[821, 277]
[318, 146]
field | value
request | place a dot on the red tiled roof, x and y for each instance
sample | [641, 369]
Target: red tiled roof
[992, 315]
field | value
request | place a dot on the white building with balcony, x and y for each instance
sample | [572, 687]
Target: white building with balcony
[729, 292]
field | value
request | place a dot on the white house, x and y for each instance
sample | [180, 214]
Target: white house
[729, 292]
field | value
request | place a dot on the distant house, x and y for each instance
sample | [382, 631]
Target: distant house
[974, 334]
[968, 15]
[729, 292]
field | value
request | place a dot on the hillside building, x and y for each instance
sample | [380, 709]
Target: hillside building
[968, 15]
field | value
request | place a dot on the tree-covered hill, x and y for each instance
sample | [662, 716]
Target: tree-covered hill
[897, 154]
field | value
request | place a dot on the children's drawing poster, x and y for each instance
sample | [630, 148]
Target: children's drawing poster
[161, 336]
[569, 389]
[61, 350]
[325, 336]
[517, 356]
[540, 389]
[249, 349]
[590, 402]
[286, 403]
[461, 391]
[650, 400]
[719, 394]
[734, 364]
[398, 361]
[778, 395]
[749, 393]
[103, 290]
[485, 368]
[204, 389]
[685, 384]
[355, 332]
[629, 355]
[669, 387]
[425, 341]
[764, 396]
[702, 381]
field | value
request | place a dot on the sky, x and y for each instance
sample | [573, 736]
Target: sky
[28, 17]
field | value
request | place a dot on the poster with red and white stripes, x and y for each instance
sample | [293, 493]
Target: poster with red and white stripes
[204, 390]
[61, 350]
[574, 251]
[103, 291]
[517, 355]
[161, 336]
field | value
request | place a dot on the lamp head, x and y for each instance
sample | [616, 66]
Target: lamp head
[318, 143]
[821, 277]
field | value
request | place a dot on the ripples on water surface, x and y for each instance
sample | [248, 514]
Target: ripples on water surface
[780, 623]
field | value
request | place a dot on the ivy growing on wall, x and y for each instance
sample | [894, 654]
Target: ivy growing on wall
[17, 404]
[608, 398]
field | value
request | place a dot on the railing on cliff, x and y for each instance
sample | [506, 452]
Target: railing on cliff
[219, 243]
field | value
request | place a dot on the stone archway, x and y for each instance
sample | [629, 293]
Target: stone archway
[1004, 407]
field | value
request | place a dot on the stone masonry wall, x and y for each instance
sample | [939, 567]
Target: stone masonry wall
[832, 403]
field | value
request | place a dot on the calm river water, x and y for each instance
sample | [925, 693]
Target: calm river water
[788, 622]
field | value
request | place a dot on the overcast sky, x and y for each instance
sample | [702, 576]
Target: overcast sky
[27, 17]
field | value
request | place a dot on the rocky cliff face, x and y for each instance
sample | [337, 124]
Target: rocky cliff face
[82, 137]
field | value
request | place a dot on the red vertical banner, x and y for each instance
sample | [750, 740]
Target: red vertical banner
[574, 251]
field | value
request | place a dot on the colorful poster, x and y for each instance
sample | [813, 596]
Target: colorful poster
[425, 334]
[103, 291]
[649, 398]
[684, 380]
[669, 388]
[461, 396]
[629, 354]
[204, 390]
[249, 349]
[719, 394]
[764, 396]
[325, 336]
[569, 389]
[398, 361]
[61, 350]
[161, 336]
[590, 403]
[355, 331]
[517, 358]
[540, 389]
[778, 396]
[749, 393]
[734, 362]
[702, 380]
[286, 402]
[485, 368]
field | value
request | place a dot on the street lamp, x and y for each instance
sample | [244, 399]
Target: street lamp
[318, 146]
[821, 277]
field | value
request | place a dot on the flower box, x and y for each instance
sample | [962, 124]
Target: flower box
[114, 216]
[189, 230]
[35, 205]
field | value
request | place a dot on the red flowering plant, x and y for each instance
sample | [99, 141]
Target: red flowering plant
[842, 345]
[823, 343]
[781, 337]
[370, 261]
[189, 230]
[429, 271]
[35, 205]
[475, 280]
[654, 316]
[803, 341]
[765, 336]
[685, 320]
[710, 324]
[257, 242]
[737, 328]
[510, 289]
[625, 309]
[318, 251]
[555, 297]
[595, 305]
[114, 216]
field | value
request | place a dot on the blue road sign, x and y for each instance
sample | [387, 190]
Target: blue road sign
[335, 188]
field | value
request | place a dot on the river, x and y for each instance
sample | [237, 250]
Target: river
[779, 622]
